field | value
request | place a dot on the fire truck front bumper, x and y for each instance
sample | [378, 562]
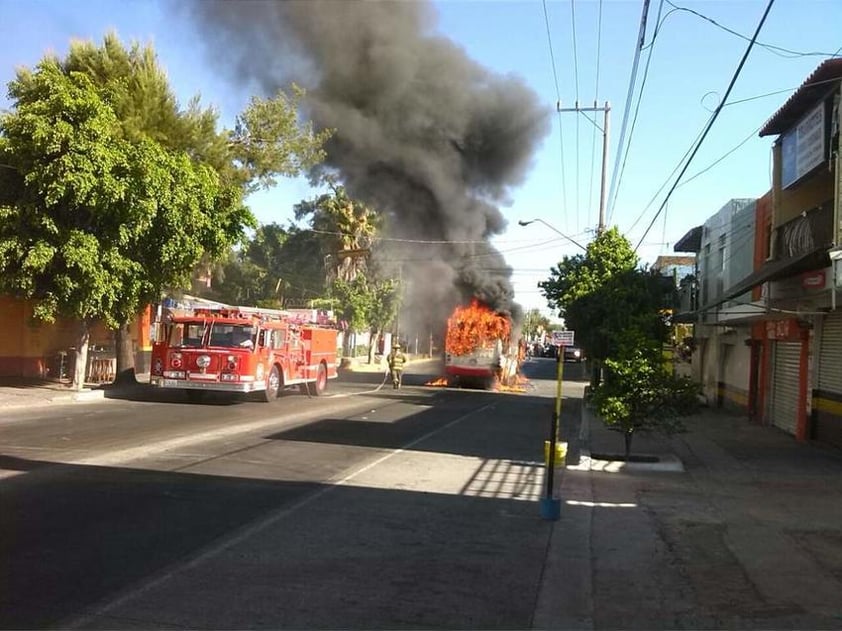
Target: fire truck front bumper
[216, 386]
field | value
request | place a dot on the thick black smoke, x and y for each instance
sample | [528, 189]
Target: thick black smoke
[423, 133]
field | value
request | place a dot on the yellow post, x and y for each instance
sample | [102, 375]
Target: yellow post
[558, 449]
[558, 388]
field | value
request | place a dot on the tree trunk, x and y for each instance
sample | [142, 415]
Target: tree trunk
[372, 348]
[346, 343]
[596, 373]
[125, 356]
[80, 368]
[628, 438]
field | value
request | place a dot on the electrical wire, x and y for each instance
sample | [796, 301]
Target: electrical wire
[576, 80]
[713, 118]
[617, 173]
[777, 50]
[558, 114]
[595, 99]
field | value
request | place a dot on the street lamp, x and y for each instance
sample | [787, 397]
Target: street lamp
[557, 231]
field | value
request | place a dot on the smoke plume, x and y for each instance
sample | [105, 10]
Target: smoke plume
[423, 133]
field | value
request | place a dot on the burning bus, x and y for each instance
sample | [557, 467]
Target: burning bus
[478, 347]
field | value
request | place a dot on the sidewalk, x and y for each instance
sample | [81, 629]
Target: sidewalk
[19, 392]
[746, 532]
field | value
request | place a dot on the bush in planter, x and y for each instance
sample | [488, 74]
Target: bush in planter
[640, 393]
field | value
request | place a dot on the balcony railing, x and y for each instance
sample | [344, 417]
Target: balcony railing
[807, 232]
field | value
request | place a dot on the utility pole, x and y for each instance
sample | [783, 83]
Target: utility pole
[605, 109]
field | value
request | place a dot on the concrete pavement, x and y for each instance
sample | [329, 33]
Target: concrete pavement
[733, 526]
[747, 534]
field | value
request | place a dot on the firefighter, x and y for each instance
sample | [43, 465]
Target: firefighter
[396, 361]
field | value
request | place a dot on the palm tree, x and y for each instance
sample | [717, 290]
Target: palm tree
[349, 226]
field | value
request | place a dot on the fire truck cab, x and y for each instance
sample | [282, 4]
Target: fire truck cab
[242, 350]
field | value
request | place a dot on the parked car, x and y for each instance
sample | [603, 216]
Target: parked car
[573, 354]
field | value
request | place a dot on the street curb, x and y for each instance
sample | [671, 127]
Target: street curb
[87, 395]
[666, 462]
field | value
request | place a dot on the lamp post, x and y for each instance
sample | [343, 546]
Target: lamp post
[556, 230]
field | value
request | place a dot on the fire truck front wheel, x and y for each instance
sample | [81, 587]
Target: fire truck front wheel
[273, 385]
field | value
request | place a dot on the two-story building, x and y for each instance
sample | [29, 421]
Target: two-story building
[789, 363]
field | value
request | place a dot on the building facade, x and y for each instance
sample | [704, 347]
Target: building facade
[768, 320]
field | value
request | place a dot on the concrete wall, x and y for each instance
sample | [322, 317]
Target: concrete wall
[727, 241]
[29, 348]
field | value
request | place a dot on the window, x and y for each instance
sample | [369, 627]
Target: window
[232, 336]
[188, 334]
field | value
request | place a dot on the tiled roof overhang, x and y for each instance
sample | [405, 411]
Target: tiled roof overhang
[817, 85]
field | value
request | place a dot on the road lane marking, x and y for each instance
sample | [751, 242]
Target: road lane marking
[253, 529]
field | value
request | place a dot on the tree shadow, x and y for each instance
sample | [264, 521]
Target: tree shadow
[75, 537]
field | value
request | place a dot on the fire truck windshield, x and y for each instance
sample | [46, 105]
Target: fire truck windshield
[190, 334]
[196, 334]
[232, 335]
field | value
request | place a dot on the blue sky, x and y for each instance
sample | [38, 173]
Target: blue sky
[692, 63]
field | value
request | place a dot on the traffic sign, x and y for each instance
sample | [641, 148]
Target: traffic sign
[562, 338]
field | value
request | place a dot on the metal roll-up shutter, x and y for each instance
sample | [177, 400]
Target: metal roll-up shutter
[830, 354]
[785, 385]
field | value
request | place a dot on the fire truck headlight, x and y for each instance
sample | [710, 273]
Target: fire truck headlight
[175, 360]
[232, 362]
[157, 366]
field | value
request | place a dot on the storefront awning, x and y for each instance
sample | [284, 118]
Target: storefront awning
[774, 270]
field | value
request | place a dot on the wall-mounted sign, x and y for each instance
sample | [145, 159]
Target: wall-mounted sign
[783, 329]
[813, 280]
[803, 146]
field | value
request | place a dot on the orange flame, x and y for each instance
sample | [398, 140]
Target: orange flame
[441, 381]
[472, 326]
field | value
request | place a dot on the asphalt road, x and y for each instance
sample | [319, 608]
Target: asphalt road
[104, 503]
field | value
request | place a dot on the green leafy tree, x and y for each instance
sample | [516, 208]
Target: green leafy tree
[293, 258]
[384, 305]
[641, 394]
[112, 194]
[573, 285]
[366, 304]
[352, 300]
[236, 280]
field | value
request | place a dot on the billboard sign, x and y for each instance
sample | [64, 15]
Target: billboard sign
[803, 146]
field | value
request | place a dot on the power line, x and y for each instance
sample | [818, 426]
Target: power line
[721, 158]
[629, 95]
[712, 119]
[558, 114]
[666, 181]
[595, 98]
[710, 166]
[777, 50]
[576, 80]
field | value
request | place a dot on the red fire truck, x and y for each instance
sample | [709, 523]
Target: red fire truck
[242, 350]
